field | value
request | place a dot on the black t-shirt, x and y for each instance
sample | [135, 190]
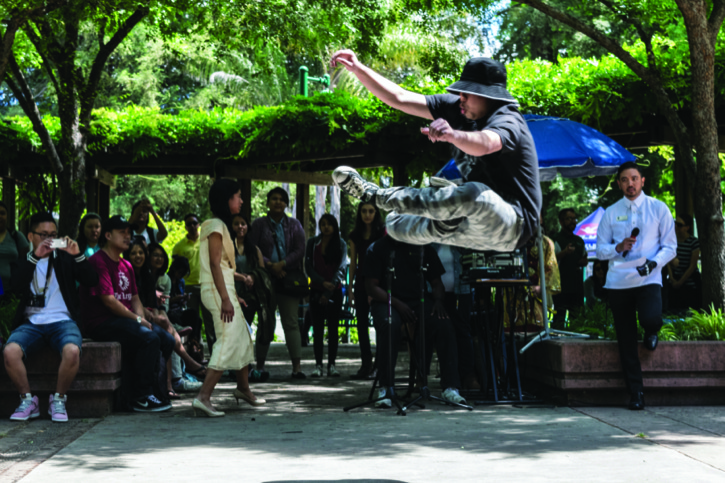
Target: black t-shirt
[406, 277]
[572, 278]
[512, 172]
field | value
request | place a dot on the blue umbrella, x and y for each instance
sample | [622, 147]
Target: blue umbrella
[573, 149]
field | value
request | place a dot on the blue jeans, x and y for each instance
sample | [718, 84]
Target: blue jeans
[141, 344]
[31, 337]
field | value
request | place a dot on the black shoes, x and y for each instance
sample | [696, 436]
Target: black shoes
[650, 342]
[636, 403]
[150, 404]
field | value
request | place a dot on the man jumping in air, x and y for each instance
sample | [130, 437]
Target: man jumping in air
[496, 202]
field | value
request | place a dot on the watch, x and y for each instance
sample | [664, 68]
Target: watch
[139, 319]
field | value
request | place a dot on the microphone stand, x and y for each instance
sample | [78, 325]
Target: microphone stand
[420, 357]
[389, 391]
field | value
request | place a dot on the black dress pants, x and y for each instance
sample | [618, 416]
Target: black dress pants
[362, 312]
[320, 314]
[626, 304]
[439, 334]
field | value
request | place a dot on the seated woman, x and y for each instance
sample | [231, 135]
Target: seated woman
[137, 254]
[685, 279]
[89, 231]
[594, 290]
[325, 264]
[178, 312]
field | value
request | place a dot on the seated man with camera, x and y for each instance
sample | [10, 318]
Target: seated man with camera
[405, 308]
[47, 313]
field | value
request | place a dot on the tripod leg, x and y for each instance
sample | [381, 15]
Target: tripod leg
[514, 354]
[489, 348]
[449, 403]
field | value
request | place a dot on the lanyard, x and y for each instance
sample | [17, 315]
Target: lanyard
[47, 278]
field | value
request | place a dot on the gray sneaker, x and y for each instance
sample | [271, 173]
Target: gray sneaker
[317, 372]
[451, 395]
[350, 181]
[332, 371]
[187, 386]
[383, 403]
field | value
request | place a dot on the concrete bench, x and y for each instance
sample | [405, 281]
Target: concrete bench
[90, 396]
[588, 372]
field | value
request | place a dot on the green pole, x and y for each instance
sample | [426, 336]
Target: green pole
[303, 80]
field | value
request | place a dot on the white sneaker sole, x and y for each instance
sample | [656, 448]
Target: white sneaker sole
[32, 416]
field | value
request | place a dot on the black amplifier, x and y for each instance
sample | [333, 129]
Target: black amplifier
[494, 266]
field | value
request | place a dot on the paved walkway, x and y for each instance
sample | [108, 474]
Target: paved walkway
[303, 435]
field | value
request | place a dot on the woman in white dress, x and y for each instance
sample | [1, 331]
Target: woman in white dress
[233, 347]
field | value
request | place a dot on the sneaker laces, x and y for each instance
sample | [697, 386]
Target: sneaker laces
[58, 405]
[153, 399]
[25, 403]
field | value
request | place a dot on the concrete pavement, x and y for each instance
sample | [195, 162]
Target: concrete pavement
[303, 435]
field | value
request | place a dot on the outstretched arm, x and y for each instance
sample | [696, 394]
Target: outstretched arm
[385, 90]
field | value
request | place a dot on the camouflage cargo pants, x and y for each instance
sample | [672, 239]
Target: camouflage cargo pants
[470, 216]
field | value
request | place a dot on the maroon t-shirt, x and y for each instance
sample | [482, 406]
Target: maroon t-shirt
[114, 278]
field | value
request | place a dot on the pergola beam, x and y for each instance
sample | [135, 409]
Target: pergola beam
[298, 177]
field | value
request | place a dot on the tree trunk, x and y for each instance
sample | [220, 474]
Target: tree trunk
[708, 202]
[73, 177]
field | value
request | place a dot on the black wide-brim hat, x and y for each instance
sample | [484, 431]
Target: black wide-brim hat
[483, 77]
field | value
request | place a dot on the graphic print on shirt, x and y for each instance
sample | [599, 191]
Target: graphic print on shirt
[123, 284]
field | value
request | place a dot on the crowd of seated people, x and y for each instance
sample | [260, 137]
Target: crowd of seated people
[116, 283]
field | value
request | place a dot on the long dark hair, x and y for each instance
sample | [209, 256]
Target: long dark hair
[164, 267]
[145, 283]
[333, 254]
[599, 286]
[689, 222]
[377, 227]
[219, 195]
[250, 249]
[82, 240]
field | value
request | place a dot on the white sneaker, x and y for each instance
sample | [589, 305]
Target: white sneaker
[332, 371]
[350, 181]
[451, 395]
[317, 372]
[383, 403]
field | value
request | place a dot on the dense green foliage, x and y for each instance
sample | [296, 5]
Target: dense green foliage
[704, 325]
[583, 90]
[592, 92]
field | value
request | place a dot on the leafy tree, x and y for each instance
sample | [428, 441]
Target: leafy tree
[527, 33]
[73, 43]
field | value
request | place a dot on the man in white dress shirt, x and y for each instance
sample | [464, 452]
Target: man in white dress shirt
[637, 237]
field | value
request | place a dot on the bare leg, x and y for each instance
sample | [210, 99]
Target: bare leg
[163, 321]
[169, 387]
[243, 383]
[14, 366]
[69, 363]
[212, 378]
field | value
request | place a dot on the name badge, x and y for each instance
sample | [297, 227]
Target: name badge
[622, 218]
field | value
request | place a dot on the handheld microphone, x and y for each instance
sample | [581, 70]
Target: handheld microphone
[634, 234]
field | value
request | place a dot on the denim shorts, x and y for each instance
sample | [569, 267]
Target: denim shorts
[31, 337]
